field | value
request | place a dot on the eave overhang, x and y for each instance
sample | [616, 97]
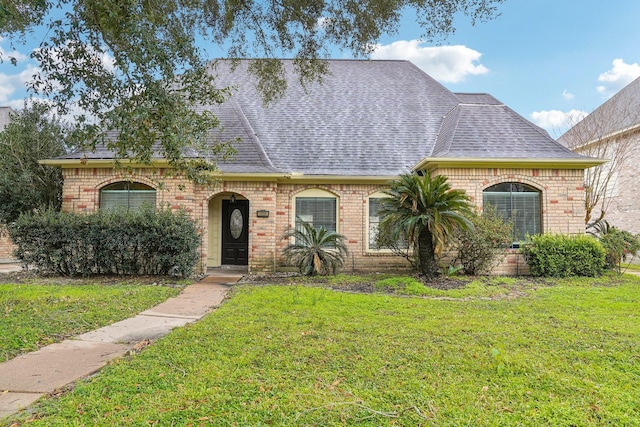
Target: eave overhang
[102, 163]
[430, 163]
[623, 133]
[280, 177]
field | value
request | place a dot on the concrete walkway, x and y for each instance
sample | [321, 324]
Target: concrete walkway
[26, 378]
[7, 266]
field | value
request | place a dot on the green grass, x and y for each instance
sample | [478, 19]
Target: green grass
[563, 353]
[484, 287]
[36, 315]
[631, 267]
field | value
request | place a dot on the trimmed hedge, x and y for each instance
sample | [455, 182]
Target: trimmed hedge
[145, 242]
[559, 255]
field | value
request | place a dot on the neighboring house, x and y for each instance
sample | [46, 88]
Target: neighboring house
[5, 113]
[6, 246]
[325, 153]
[612, 131]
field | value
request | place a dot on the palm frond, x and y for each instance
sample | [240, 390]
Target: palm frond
[315, 251]
[416, 205]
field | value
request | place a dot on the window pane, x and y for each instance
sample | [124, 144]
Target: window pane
[317, 211]
[126, 199]
[526, 214]
[518, 203]
[375, 205]
[374, 222]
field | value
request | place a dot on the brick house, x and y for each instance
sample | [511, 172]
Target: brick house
[612, 131]
[324, 153]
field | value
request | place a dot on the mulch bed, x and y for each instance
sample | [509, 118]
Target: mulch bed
[442, 282]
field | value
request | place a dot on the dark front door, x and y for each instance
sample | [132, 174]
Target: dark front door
[235, 232]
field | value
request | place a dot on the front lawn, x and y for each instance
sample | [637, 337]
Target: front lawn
[34, 315]
[561, 353]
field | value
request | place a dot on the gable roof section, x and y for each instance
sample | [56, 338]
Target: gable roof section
[619, 114]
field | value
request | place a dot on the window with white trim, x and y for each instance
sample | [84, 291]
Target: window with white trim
[519, 203]
[127, 195]
[374, 221]
[374, 218]
[318, 208]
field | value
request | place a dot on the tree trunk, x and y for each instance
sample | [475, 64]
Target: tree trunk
[426, 255]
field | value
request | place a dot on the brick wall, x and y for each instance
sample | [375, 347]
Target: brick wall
[562, 192]
[352, 223]
[562, 195]
[624, 204]
[6, 245]
[562, 199]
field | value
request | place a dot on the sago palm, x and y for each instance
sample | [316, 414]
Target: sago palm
[426, 210]
[315, 251]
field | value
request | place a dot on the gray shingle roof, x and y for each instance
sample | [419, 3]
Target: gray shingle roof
[250, 155]
[366, 118]
[619, 113]
[482, 127]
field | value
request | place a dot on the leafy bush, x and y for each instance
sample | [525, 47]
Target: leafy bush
[559, 255]
[25, 184]
[315, 251]
[399, 246]
[620, 246]
[149, 241]
[481, 248]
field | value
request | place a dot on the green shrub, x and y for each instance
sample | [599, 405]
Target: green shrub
[145, 242]
[481, 248]
[559, 255]
[620, 245]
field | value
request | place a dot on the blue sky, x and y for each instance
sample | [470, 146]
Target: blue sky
[546, 59]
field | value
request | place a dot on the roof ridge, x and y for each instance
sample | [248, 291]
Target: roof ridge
[444, 137]
[256, 141]
[475, 104]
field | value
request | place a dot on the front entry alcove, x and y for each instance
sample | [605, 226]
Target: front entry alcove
[228, 238]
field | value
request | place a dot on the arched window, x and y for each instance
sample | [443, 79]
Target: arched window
[126, 195]
[519, 203]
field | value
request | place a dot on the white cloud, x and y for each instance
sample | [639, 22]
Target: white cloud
[11, 83]
[620, 75]
[557, 122]
[447, 64]
[4, 55]
[567, 96]
[323, 23]
[14, 78]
